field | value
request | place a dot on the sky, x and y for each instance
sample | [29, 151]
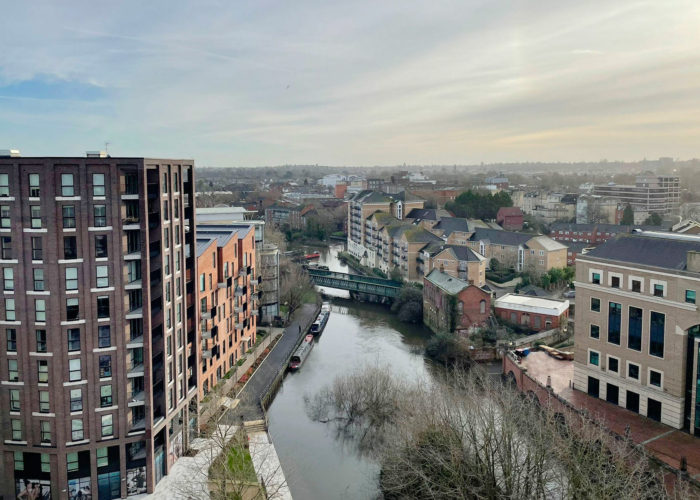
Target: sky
[253, 83]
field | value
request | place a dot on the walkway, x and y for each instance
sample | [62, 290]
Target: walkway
[268, 370]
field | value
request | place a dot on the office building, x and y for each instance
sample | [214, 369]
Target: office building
[638, 327]
[99, 370]
[653, 193]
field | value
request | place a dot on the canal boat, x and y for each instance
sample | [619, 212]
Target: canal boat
[301, 353]
[310, 256]
[320, 322]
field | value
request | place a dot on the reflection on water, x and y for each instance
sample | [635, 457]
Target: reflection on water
[320, 467]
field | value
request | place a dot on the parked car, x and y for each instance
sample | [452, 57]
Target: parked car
[570, 294]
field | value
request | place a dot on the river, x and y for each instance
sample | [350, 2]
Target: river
[317, 465]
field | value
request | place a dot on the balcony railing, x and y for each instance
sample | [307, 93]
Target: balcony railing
[206, 354]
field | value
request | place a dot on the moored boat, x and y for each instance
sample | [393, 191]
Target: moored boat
[320, 322]
[314, 255]
[301, 353]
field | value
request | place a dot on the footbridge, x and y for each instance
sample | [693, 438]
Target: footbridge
[356, 283]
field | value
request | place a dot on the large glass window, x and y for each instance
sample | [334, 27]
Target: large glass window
[101, 246]
[72, 310]
[102, 273]
[98, 184]
[634, 339]
[68, 216]
[35, 211]
[75, 372]
[76, 400]
[34, 185]
[109, 485]
[73, 339]
[100, 215]
[72, 461]
[614, 322]
[8, 278]
[102, 457]
[38, 279]
[656, 334]
[40, 310]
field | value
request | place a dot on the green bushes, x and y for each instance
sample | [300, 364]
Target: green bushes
[409, 304]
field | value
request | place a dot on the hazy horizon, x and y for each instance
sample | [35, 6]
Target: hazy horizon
[358, 84]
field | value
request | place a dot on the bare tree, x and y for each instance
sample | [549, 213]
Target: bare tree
[209, 200]
[471, 437]
[296, 287]
[230, 463]
[595, 214]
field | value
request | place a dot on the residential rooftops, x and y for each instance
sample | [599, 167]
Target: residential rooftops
[446, 282]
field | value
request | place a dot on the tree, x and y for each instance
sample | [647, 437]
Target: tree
[395, 274]
[627, 216]
[296, 287]
[653, 220]
[475, 205]
[409, 304]
[596, 215]
[469, 436]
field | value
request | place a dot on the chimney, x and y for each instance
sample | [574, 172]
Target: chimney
[692, 261]
[471, 282]
[96, 154]
[9, 153]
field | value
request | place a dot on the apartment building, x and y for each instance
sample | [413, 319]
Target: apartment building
[638, 327]
[227, 300]
[455, 260]
[281, 215]
[365, 203]
[100, 368]
[654, 193]
[518, 250]
[510, 218]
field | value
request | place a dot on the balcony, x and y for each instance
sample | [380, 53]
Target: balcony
[238, 326]
[419, 259]
[138, 425]
[221, 284]
[255, 282]
[238, 309]
[137, 397]
[238, 292]
[211, 313]
[206, 334]
[206, 354]
[135, 370]
[153, 219]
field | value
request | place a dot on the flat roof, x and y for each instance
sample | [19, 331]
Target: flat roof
[528, 303]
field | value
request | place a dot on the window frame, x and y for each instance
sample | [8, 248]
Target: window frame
[67, 188]
[68, 215]
[97, 187]
[589, 358]
[99, 214]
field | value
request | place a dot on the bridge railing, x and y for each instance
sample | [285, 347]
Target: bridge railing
[355, 277]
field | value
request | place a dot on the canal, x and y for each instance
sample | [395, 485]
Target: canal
[317, 465]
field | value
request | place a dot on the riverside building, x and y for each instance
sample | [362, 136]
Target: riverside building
[100, 357]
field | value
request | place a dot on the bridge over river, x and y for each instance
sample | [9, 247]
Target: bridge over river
[356, 283]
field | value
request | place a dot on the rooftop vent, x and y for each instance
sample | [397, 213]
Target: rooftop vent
[9, 153]
[96, 154]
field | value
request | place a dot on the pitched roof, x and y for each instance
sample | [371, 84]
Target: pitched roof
[415, 234]
[569, 226]
[451, 224]
[548, 243]
[464, 253]
[576, 247]
[203, 244]
[405, 196]
[446, 282]
[382, 217]
[508, 238]
[534, 291]
[221, 236]
[509, 212]
[427, 214]
[370, 196]
[664, 250]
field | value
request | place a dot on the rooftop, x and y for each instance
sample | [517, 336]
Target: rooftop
[446, 282]
[529, 303]
[508, 238]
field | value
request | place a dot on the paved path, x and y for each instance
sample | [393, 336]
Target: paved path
[269, 369]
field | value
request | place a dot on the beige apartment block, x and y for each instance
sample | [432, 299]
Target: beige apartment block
[637, 325]
[457, 261]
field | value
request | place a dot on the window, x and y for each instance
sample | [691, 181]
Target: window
[67, 185]
[690, 296]
[11, 334]
[102, 457]
[70, 247]
[6, 247]
[44, 401]
[10, 310]
[68, 216]
[655, 378]
[614, 322]
[615, 282]
[213, 260]
[5, 217]
[9, 278]
[637, 286]
[656, 334]
[165, 183]
[43, 369]
[45, 438]
[179, 338]
[596, 279]
[176, 183]
[177, 261]
[633, 371]
[72, 310]
[166, 215]
[133, 268]
[37, 254]
[167, 237]
[40, 310]
[13, 371]
[98, 184]
[73, 339]
[45, 462]
[177, 235]
[613, 365]
[16, 425]
[167, 265]
[4, 185]
[131, 183]
[71, 278]
[41, 341]
[103, 337]
[103, 307]
[34, 186]
[38, 280]
[593, 358]
[14, 400]
[76, 400]
[19, 460]
[595, 332]
[176, 209]
[105, 366]
[74, 371]
[133, 242]
[102, 273]
[72, 460]
[179, 312]
[595, 305]
[202, 283]
[76, 427]
[105, 396]
[100, 212]
[101, 246]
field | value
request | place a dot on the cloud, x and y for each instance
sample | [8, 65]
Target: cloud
[369, 83]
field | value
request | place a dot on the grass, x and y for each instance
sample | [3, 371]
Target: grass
[310, 297]
[241, 465]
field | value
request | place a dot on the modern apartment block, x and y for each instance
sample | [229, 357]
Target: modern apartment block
[228, 303]
[637, 335]
[98, 323]
[654, 193]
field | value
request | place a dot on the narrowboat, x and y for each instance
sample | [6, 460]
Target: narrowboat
[301, 353]
[310, 256]
[320, 322]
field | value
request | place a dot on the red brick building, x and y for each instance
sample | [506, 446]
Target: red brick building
[510, 218]
[451, 304]
[535, 313]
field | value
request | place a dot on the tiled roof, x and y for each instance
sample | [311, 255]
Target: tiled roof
[548, 243]
[452, 224]
[508, 238]
[448, 283]
[419, 235]
[508, 211]
[465, 253]
[661, 250]
[427, 214]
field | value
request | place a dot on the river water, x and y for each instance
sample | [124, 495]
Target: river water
[317, 465]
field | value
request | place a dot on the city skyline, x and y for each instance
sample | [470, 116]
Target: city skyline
[352, 85]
